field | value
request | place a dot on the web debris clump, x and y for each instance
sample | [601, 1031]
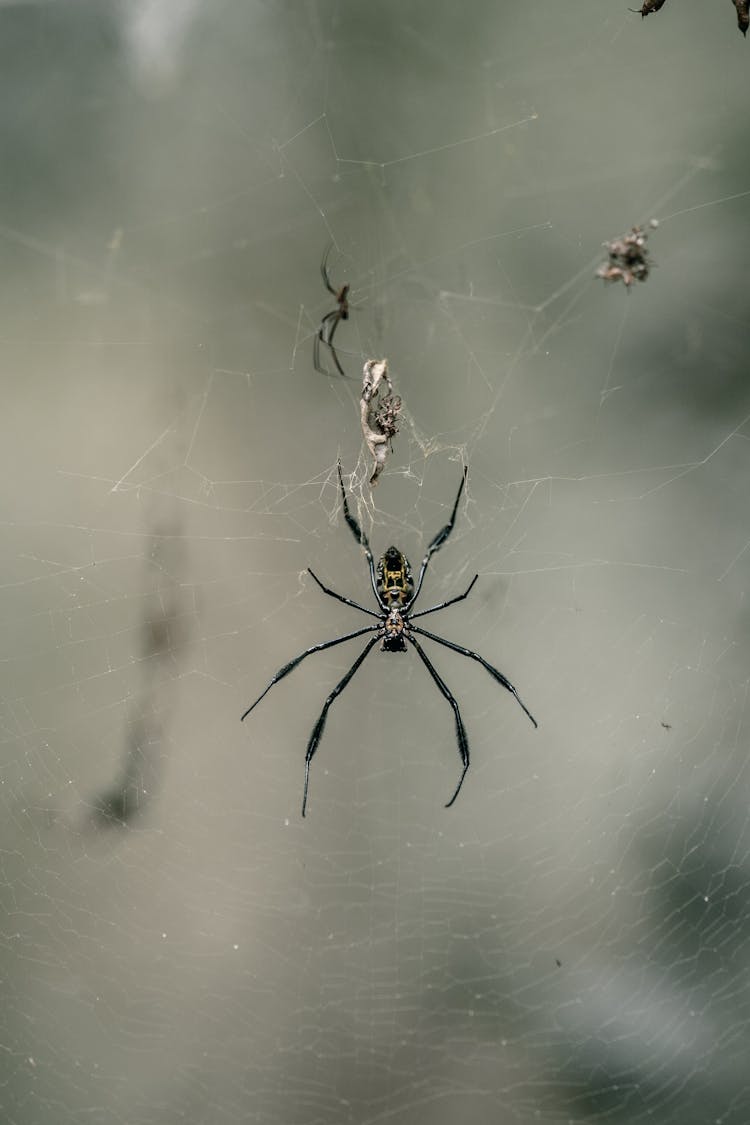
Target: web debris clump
[648, 7]
[628, 257]
[379, 418]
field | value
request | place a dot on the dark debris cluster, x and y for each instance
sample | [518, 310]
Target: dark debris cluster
[742, 7]
[627, 257]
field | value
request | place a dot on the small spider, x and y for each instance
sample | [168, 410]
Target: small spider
[395, 593]
[330, 321]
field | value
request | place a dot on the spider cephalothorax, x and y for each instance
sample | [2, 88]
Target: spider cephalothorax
[393, 632]
[395, 594]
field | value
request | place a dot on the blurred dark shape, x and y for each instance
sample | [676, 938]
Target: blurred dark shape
[163, 635]
[138, 779]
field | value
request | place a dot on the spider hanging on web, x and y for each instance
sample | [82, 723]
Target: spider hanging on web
[395, 593]
[331, 320]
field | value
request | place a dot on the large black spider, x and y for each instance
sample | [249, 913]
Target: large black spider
[330, 321]
[395, 594]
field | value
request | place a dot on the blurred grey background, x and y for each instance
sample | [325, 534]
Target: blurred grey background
[569, 942]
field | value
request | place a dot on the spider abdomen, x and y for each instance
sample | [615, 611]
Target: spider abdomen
[395, 583]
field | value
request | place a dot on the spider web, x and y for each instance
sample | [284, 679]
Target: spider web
[568, 942]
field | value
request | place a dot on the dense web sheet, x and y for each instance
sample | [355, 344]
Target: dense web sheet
[567, 943]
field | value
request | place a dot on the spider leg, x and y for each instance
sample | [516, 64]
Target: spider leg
[444, 605]
[444, 532]
[356, 530]
[463, 741]
[501, 679]
[341, 598]
[336, 360]
[335, 317]
[324, 269]
[298, 660]
[316, 354]
[317, 731]
[361, 538]
[324, 335]
[438, 541]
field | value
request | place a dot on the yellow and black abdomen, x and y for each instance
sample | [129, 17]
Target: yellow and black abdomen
[395, 583]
